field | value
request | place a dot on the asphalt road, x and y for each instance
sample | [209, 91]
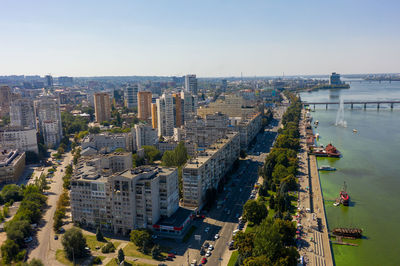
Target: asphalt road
[44, 241]
[223, 219]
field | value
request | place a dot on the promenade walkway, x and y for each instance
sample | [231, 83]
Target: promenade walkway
[315, 247]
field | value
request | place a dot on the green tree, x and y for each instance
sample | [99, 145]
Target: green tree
[168, 158]
[254, 211]
[74, 243]
[9, 251]
[244, 243]
[141, 238]
[35, 262]
[155, 252]
[108, 248]
[121, 255]
[99, 234]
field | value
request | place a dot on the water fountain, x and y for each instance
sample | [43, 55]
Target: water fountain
[340, 115]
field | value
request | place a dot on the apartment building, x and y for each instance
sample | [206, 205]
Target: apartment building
[248, 127]
[127, 200]
[22, 113]
[114, 162]
[205, 171]
[18, 138]
[102, 107]
[47, 110]
[12, 164]
[131, 93]
[165, 115]
[144, 105]
[144, 135]
[191, 83]
[107, 142]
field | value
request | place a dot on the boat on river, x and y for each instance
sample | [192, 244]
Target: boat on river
[326, 168]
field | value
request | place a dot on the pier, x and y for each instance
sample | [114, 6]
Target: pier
[353, 103]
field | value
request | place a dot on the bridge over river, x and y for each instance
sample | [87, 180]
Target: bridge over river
[352, 103]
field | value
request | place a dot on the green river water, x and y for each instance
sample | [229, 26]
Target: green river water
[371, 168]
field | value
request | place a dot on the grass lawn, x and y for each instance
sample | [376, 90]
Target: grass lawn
[60, 257]
[189, 233]
[233, 258]
[131, 250]
[92, 242]
[113, 262]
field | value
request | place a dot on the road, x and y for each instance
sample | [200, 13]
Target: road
[44, 242]
[223, 219]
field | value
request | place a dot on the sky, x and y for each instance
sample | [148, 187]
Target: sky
[219, 38]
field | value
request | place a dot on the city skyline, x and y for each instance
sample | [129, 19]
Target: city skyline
[210, 39]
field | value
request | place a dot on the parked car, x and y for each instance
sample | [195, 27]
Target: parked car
[210, 248]
[204, 261]
[216, 236]
[171, 255]
[56, 237]
[207, 229]
[202, 252]
[206, 245]
[28, 239]
[208, 254]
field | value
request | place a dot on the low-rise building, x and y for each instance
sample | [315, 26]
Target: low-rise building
[108, 142]
[12, 163]
[205, 171]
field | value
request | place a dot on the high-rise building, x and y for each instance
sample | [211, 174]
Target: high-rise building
[154, 115]
[178, 110]
[224, 85]
[191, 83]
[189, 105]
[165, 115]
[144, 105]
[131, 93]
[102, 107]
[47, 110]
[48, 81]
[145, 135]
[22, 113]
[5, 98]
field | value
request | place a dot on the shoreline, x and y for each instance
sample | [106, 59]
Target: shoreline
[312, 216]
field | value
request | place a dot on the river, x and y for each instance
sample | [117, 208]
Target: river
[370, 166]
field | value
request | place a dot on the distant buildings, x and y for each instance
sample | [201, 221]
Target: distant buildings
[191, 84]
[154, 115]
[102, 107]
[145, 135]
[144, 105]
[48, 81]
[108, 142]
[47, 110]
[12, 163]
[131, 94]
[18, 138]
[335, 79]
[165, 115]
[224, 85]
[126, 200]
[22, 113]
[5, 99]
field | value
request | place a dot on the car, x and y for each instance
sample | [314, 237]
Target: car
[28, 239]
[202, 252]
[171, 255]
[204, 260]
[235, 232]
[210, 248]
[169, 258]
[56, 237]
[154, 236]
[61, 230]
[208, 254]
[162, 264]
[194, 262]
[207, 229]
[206, 245]
[216, 236]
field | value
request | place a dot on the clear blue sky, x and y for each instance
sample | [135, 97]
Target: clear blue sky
[209, 38]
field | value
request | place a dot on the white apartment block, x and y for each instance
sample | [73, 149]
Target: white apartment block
[22, 113]
[207, 169]
[145, 135]
[165, 115]
[191, 83]
[18, 138]
[127, 200]
[108, 142]
[190, 105]
[47, 110]
[114, 162]
[248, 128]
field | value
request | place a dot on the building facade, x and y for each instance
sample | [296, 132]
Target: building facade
[127, 200]
[131, 93]
[107, 142]
[18, 138]
[144, 105]
[12, 164]
[145, 135]
[47, 111]
[22, 113]
[191, 83]
[165, 115]
[102, 107]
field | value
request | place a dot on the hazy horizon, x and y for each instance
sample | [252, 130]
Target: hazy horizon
[208, 38]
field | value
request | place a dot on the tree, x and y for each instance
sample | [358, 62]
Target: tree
[108, 248]
[141, 238]
[99, 234]
[121, 255]
[254, 211]
[155, 252]
[11, 191]
[168, 159]
[74, 243]
[244, 243]
[181, 155]
[18, 230]
[9, 251]
[35, 262]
